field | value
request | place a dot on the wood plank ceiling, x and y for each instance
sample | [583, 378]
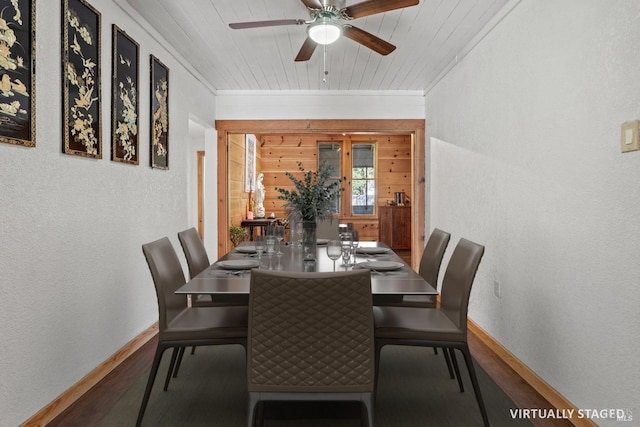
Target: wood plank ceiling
[428, 37]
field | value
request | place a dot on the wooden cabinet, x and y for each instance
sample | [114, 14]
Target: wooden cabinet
[395, 226]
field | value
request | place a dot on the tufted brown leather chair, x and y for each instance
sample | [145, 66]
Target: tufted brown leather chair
[179, 325]
[445, 326]
[310, 338]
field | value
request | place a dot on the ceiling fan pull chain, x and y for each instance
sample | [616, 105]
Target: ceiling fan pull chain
[324, 78]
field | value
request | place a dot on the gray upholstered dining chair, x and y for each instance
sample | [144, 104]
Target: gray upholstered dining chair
[430, 264]
[180, 325]
[429, 270]
[445, 326]
[197, 261]
[310, 338]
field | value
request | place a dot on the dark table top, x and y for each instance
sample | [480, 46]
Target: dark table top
[218, 280]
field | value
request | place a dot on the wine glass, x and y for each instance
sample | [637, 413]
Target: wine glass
[346, 253]
[355, 242]
[334, 250]
[279, 233]
[259, 241]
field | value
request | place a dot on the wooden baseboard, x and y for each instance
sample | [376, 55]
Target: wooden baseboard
[66, 399]
[552, 395]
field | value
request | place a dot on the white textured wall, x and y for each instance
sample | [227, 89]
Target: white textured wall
[74, 286]
[525, 158]
[287, 105]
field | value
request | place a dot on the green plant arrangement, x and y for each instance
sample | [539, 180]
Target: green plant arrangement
[313, 197]
[312, 200]
[237, 234]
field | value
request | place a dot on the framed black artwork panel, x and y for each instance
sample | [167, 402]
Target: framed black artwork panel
[82, 104]
[159, 114]
[17, 72]
[124, 98]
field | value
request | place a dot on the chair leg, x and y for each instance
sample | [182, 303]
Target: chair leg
[178, 362]
[172, 364]
[452, 353]
[152, 376]
[193, 350]
[447, 359]
[251, 413]
[435, 350]
[368, 404]
[376, 375]
[474, 381]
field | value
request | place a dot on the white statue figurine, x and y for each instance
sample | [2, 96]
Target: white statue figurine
[260, 197]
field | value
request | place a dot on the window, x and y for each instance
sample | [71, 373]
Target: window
[330, 154]
[357, 160]
[363, 179]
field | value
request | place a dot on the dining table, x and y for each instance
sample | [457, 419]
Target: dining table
[230, 275]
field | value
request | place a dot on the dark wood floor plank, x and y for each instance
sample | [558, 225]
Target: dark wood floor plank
[94, 404]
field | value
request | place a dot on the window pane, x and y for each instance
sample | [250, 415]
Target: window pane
[330, 154]
[363, 185]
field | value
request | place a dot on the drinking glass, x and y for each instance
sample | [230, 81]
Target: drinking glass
[355, 242]
[334, 250]
[260, 243]
[270, 244]
[279, 233]
[346, 254]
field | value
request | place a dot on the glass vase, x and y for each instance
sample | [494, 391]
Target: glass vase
[309, 239]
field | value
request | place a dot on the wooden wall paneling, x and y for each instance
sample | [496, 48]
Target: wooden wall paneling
[238, 199]
[298, 138]
[395, 165]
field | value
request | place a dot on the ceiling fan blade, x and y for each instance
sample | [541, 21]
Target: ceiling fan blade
[367, 39]
[307, 49]
[312, 4]
[371, 7]
[274, 23]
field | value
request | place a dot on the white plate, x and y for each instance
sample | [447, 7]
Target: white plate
[381, 265]
[238, 264]
[322, 241]
[371, 251]
[248, 249]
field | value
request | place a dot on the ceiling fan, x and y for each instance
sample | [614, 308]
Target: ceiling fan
[325, 25]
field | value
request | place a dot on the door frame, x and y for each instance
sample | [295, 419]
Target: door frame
[413, 127]
[200, 185]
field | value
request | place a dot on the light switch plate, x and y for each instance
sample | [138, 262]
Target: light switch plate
[630, 138]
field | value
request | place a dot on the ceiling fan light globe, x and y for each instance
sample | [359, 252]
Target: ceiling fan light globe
[324, 33]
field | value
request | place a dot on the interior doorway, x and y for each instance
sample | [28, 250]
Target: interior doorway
[196, 171]
[415, 128]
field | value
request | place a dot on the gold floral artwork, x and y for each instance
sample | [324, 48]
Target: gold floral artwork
[128, 127]
[125, 105]
[82, 88]
[85, 82]
[159, 115]
[160, 120]
[17, 79]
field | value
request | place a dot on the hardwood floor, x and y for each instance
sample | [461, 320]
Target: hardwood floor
[94, 404]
